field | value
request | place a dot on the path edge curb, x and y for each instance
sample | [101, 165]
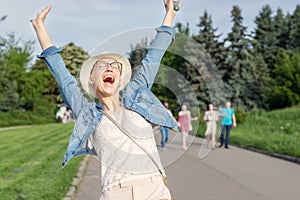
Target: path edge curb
[71, 194]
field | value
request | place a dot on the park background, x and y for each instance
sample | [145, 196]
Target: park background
[260, 69]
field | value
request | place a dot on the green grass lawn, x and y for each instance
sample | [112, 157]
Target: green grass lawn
[276, 131]
[30, 157]
[30, 162]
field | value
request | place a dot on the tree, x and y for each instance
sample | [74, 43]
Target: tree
[14, 80]
[244, 71]
[295, 29]
[265, 37]
[210, 41]
[286, 84]
[282, 27]
[73, 56]
[212, 54]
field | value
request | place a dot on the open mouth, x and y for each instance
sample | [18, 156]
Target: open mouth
[108, 79]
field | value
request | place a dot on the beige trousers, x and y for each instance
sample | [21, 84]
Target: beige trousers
[152, 188]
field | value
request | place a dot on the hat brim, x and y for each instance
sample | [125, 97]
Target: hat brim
[85, 71]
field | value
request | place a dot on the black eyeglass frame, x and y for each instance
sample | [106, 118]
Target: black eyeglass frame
[120, 65]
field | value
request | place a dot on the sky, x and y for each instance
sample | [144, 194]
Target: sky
[89, 22]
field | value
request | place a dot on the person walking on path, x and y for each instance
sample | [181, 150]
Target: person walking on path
[211, 117]
[227, 123]
[127, 172]
[165, 131]
[185, 123]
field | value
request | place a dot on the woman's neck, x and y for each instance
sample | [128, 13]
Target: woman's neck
[111, 104]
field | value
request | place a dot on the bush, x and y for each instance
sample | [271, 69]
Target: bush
[240, 115]
[281, 97]
[42, 113]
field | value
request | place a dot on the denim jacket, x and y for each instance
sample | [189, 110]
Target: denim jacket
[135, 96]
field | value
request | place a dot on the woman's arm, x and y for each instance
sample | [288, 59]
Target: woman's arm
[205, 118]
[164, 37]
[39, 26]
[170, 13]
[70, 91]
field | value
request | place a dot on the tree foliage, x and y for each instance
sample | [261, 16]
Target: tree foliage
[244, 70]
[286, 84]
[17, 85]
[212, 54]
[246, 61]
[295, 30]
[73, 56]
[259, 68]
[265, 36]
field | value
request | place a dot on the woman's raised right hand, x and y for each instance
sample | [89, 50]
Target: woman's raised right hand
[40, 17]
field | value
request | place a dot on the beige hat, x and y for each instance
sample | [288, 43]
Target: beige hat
[86, 68]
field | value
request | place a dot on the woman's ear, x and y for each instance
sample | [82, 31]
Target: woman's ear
[91, 82]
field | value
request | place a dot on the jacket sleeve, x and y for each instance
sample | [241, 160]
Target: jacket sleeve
[69, 89]
[150, 64]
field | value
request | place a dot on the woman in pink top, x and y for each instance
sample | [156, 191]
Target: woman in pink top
[185, 124]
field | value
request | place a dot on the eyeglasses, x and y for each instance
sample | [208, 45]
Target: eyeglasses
[103, 65]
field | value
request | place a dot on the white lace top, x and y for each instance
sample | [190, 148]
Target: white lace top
[121, 159]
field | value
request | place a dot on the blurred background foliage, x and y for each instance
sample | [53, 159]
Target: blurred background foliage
[260, 68]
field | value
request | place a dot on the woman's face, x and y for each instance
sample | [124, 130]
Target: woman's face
[106, 76]
[211, 107]
[183, 108]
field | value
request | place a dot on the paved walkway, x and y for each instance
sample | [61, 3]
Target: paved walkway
[234, 174]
